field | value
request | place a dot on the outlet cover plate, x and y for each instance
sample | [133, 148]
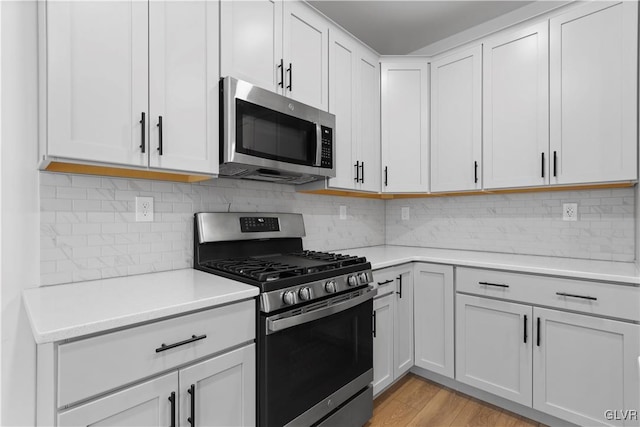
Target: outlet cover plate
[144, 209]
[405, 213]
[569, 211]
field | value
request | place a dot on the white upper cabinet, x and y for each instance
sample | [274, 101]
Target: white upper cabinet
[456, 121]
[343, 63]
[368, 119]
[516, 106]
[281, 46]
[97, 81]
[132, 84]
[251, 41]
[354, 98]
[405, 113]
[183, 79]
[306, 55]
[593, 78]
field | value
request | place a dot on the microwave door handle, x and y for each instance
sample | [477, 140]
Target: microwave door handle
[318, 160]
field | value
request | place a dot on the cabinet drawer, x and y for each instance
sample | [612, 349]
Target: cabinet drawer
[603, 299]
[385, 279]
[95, 365]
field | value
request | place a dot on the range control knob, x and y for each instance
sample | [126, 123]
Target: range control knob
[330, 287]
[352, 281]
[363, 277]
[289, 298]
[304, 293]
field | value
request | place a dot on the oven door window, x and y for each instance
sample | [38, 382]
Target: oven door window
[272, 135]
[304, 364]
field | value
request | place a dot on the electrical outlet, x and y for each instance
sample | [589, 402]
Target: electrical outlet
[569, 211]
[405, 213]
[144, 209]
[343, 212]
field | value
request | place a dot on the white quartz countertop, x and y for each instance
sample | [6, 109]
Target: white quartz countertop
[76, 309]
[387, 256]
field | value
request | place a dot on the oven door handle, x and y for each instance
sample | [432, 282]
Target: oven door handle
[288, 322]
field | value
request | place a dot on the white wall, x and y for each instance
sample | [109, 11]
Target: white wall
[20, 200]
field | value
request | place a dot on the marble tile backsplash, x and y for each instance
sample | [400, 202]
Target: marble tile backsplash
[525, 223]
[88, 228]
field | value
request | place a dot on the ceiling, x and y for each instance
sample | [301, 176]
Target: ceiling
[398, 27]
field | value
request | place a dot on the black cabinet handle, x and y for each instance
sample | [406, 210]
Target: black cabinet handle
[143, 122]
[290, 71]
[399, 285]
[499, 285]
[192, 418]
[385, 282]
[281, 67]
[538, 337]
[525, 328]
[475, 171]
[555, 163]
[357, 166]
[172, 399]
[159, 135]
[542, 165]
[362, 176]
[563, 294]
[385, 176]
[164, 347]
[374, 324]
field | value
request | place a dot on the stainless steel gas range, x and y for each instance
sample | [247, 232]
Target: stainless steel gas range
[314, 341]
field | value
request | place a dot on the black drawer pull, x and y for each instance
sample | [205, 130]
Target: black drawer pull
[399, 285]
[538, 336]
[385, 282]
[525, 328]
[357, 166]
[475, 172]
[143, 122]
[172, 399]
[193, 338]
[192, 419]
[159, 125]
[564, 294]
[499, 285]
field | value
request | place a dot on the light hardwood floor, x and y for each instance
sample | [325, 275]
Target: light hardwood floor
[414, 401]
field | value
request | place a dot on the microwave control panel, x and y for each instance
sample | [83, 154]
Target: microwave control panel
[326, 155]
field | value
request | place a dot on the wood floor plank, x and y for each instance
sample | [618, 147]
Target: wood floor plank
[441, 410]
[417, 393]
[395, 413]
[467, 415]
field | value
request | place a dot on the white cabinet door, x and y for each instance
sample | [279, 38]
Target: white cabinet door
[405, 100]
[147, 404]
[368, 119]
[593, 77]
[343, 63]
[306, 55]
[97, 81]
[456, 121]
[584, 366]
[516, 108]
[251, 42]
[183, 78]
[403, 325]
[220, 391]
[433, 317]
[383, 342]
[493, 347]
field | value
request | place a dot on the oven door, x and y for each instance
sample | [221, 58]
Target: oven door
[314, 360]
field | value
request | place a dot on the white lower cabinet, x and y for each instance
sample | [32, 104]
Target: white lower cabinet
[393, 325]
[146, 404]
[493, 351]
[382, 342]
[216, 392]
[433, 296]
[584, 366]
[579, 368]
[192, 367]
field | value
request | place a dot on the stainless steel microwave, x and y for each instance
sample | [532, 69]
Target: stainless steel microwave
[268, 137]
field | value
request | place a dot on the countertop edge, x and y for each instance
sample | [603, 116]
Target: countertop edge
[135, 319]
